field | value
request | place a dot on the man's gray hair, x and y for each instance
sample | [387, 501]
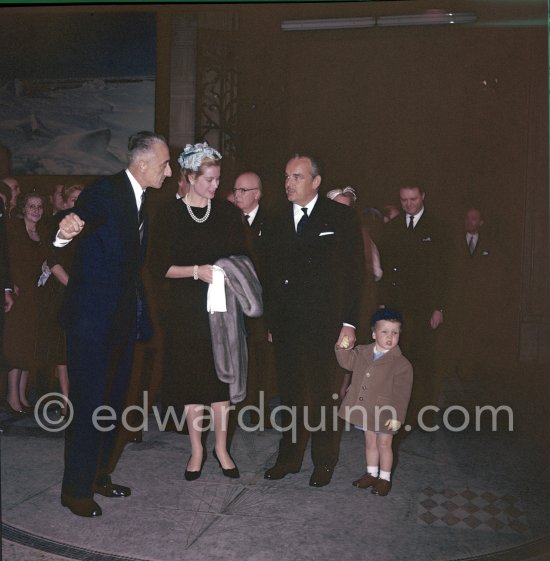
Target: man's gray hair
[142, 142]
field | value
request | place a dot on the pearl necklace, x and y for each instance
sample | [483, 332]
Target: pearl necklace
[199, 220]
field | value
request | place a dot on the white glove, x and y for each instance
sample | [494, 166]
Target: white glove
[215, 297]
[393, 424]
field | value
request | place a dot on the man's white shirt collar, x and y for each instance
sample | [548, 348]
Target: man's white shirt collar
[298, 209]
[138, 189]
[252, 214]
[415, 219]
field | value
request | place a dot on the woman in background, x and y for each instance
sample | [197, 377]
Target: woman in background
[51, 342]
[27, 250]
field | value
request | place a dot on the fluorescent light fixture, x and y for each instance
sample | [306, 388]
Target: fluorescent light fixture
[435, 17]
[428, 18]
[329, 23]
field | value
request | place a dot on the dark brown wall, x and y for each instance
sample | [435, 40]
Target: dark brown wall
[457, 110]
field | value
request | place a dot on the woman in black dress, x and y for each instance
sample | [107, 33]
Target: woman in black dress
[27, 251]
[189, 235]
[51, 345]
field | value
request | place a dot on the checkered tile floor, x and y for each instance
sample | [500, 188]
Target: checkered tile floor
[471, 509]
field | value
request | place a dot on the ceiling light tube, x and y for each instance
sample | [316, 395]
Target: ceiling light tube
[328, 23]
[435, 17]
[429, 18]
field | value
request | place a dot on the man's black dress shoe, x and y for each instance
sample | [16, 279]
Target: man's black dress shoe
[278, 471]
[81, 506]
[321, 476]
[104, 486]
[229, 472]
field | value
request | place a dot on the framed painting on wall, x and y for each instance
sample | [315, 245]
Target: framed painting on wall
[73, 88]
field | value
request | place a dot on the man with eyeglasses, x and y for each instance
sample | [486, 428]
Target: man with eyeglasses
[314, 264]
[261, 383]
[248, 192]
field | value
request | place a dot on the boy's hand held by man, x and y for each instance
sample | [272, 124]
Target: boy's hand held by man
[393, 424]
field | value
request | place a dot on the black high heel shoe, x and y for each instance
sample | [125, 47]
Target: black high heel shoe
[231, 472]
[192, 475]
[15, 412]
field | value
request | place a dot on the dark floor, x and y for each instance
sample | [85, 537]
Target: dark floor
[456, 495]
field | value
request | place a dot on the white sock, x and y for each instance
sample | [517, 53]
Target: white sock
[385, 475]
[373, 470]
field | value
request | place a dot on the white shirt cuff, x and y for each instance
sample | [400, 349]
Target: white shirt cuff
[60, 242]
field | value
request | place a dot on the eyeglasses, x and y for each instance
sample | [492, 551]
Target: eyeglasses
[243, 191]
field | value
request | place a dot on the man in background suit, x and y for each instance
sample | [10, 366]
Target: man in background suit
[415, 255]
[479, 307]
[314, 266]
[104, 312]
[247, 192]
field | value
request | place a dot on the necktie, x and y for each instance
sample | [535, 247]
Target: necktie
[246, 221]
[141, 211]
[302, 223]
[411, 223]
[141, 217]
[471, 245]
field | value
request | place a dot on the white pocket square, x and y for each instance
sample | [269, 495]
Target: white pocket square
[426, 239]
[326, 234]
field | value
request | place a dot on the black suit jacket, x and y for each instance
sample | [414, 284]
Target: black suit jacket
[101, 297]
[484, 248]
[253, 237]
[415, 265]
[313, 281]
[478, 280]
[259, 221]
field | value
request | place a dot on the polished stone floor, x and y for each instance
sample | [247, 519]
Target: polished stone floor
[456, 495]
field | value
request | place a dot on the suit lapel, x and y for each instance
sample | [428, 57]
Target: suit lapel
[317, 219]
[127, 209]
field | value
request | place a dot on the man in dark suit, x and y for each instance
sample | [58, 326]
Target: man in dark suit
[479, 305]
[261, 381]
[314, 266]
[248, 192]
[104, 312]
[415, 254]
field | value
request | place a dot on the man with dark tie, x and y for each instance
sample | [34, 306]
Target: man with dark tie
[479, 306]
[261, 381]
[314, 266]
[415, 255]
[248, 192]
[473, 223]
[104, 313]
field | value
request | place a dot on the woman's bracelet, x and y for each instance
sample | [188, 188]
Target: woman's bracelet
[195, 272]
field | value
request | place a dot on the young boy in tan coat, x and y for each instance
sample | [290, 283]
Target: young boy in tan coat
[377, 399]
